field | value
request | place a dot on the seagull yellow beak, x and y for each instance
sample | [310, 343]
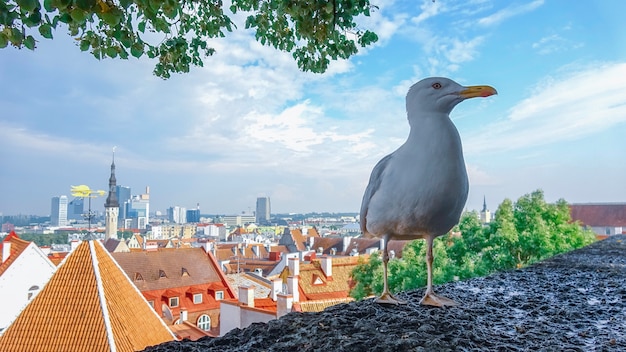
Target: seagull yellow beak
[477, 91]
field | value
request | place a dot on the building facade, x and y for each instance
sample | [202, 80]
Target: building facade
[58, 211]
[263, 210]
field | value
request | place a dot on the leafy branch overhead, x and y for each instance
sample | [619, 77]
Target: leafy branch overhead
[176, 31]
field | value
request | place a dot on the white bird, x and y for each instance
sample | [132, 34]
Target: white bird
[419, 190]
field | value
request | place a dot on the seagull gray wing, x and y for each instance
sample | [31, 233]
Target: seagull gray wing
[372, 187]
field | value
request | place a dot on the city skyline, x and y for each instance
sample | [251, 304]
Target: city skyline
[250, 125]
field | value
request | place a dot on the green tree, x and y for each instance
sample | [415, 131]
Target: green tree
[367, 277]
[523, 232]
[176, 32]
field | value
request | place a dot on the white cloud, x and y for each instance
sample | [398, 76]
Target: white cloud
[508, 12]
[579, 104]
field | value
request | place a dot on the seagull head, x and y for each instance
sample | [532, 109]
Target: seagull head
[440, 94]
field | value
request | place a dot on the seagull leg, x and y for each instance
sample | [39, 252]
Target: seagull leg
[430, 298]
[386, 297]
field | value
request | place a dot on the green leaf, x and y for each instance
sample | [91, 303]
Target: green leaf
[86, 5]
[142, 27]
[47, 4]
[112, 18]
[46, 31]
[28, 5]
[78, 15]
[29, 42]
[136, 50]
[233, 9]
[84, 45]
[111, 52]
[4, 41]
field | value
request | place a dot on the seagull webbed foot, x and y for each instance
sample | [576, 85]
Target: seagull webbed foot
[388, 298]
[431, 299]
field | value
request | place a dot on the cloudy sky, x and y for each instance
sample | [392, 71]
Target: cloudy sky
[250, 124]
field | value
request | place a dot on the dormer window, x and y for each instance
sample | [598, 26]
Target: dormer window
[173, 302]
[162, 274]
[197, 298]
[184, 272]
[32, 290]
[219, 295]
[138, 277]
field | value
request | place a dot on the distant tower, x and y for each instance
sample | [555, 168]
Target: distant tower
[485, 214]
[111, 206]
[263, 210]
[58, 211]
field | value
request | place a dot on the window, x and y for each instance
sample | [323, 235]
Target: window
[162, 274]
[219, 295]
[184, 272]
[197, 298]
[607, 231]
[204, 322]
[173, 302]
[151, 303]
[32, 291]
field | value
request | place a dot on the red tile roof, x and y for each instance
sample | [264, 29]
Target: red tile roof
[18, 246]
[599, 214]
[88, 305]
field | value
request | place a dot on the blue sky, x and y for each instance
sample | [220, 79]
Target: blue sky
[250, 124]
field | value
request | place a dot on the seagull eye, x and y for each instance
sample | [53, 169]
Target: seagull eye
[437, 85]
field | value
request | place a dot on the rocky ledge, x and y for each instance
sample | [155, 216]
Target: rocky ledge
[572, 302]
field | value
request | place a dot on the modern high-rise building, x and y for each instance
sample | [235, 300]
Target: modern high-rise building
[138, 211]
[263, 210]
[58, 211]
[111, 206]
[193, 215]
[76, 209]
[123, 198]
[177, 215]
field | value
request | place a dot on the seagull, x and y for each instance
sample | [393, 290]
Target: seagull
[419, 190]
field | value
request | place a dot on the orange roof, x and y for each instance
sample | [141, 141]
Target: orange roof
[88, 305]
[314, 284]
[18, 245]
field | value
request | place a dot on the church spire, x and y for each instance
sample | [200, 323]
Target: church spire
[112, 201]
[484, 204]
[111, 206]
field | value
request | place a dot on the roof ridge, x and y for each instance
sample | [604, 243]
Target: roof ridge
[103, 304]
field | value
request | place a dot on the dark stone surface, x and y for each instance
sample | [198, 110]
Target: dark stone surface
[572, 302]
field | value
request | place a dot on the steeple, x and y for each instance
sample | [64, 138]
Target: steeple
[112, 198]
[111, 206]
[484, 204]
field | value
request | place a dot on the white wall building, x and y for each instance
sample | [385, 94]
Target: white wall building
[24, 271]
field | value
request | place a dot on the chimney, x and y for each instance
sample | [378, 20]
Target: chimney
[294, 266]
[246, 296]
[292, 288]
[6, 250]
[346, 243]
[381, 245]
[283, 305]
[183, 315]
[311, 241]
[277, 287]
[326, 262]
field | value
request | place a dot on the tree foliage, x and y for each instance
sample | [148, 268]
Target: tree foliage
[176, 32]
[522, 233]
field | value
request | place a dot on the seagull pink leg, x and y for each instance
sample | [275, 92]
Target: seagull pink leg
[430, 298]
[386, 297]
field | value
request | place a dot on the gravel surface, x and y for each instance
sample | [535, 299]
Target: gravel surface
[572, 302]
